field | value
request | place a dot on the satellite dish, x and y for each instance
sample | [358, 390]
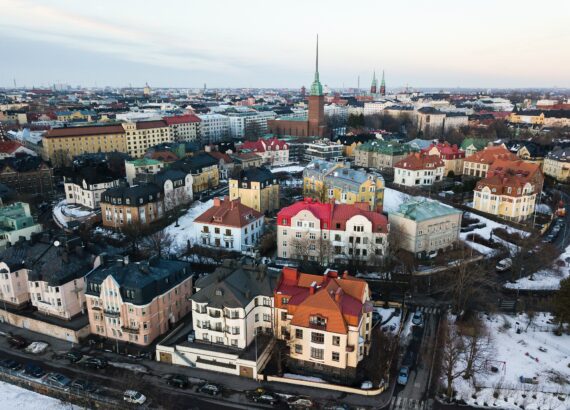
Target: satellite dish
[56, 243]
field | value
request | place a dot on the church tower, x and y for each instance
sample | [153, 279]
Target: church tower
[383, 85]
[374, 84]
[316, 102]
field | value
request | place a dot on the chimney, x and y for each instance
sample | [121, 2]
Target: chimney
[313, 288]
[217, 202]
[345, 274]
[338, 295]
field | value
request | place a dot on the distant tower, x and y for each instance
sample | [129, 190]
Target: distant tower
[316, 101]
[146, 90]
[374, 84]
[303, 92]
[383, 85]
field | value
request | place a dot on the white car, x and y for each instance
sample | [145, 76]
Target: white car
[133, 396]
[418, 319]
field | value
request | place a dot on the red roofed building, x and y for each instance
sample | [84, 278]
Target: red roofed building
[419, 169]
[326, 319]
[184, 128]
[230, 225]
[478, 164]
[272, 150]
[12, 148]
[323, 232]
[451, 155]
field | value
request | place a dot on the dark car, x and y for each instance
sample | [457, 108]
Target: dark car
[178, 380]
[34, 370]
[95, 362]
[261, 395]
[18, 342]
[58, 380]
[10, 364]
[210, 389]
[82, 385]
[73, 356]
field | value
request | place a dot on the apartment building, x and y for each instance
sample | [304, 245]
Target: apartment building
[273, 151]
[184, 128]
[175, 185]
[473, 145]
[142, 166]
[26, 175]
[142, 135]
[215, 128]
[204, 171]
[230, 225]
[14, 274]
[337, 181]
[425, 227]
[419, 169]
[326, 321]
[477, 164]
[451, 155]
[137, 302]
[380, 154]
[243, 124]
[16, 222]
[430, 121]
[323, 149]
[557, 164]
[137, 205]
[85, 185]
[326, 232]
[257, 188]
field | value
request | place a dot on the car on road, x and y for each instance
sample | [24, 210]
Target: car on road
[73, 356]
[403, 375]
[418, 318]
[133, 396]
[261, 395]
[34, 370]
[211, 389]
[82, 385]
[10, 364]
[95, 362]
[299, 402]
[19, 342]
[504, 265]
[178, 380]
[58, 380]
[366, 385]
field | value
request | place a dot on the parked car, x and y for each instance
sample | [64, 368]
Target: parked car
[504, 265]
[73, 356]
[418, 318]
[18, 342]
[34, 370]
[95, 362]
[403, 375]
[178, 380]
[133, 396]
[299, 402]
[10, 364]
[82, 385]
[58, 380]
[191, 336]
[261, 395]
[211, 389]
[366, 385]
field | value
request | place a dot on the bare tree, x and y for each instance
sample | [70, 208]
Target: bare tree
[158, 243]
[300, 248]
[134, 234]
[452, 350]
[477, 343]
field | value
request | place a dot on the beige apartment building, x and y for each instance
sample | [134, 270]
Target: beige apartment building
[257, 188]
[557, 164]
[142, 135]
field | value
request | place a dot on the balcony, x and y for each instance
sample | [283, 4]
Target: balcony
[111, 313]
[214, 314]
[205, 234]
[130, 329]
[228, 237]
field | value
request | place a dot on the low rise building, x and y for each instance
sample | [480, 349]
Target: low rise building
[257, 188]
[230, 225]
[557, 164]
[323, 149]
[138, 205]
[351, 142]
[527, 151]
[419, 169]
[273, 151]
[84, 185]
[327, 181]
[204, 171]
[137, 302]
[424, 227]
[473, 145]
[380, 154]
[326, 232]
[27, 175]
[16, 223]
[477, 165]
[451, 156]
[326, 321]
[142, 166]
[12, 148]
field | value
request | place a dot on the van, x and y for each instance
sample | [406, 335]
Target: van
[504, 265]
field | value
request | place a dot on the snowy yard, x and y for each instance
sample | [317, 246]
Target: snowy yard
[305, 378]
[185, 231]
[546, 279]
[64, 213]
[390, 321]
[535, 354]
[13, 397]
[291, 169]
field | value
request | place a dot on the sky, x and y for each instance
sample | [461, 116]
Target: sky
[266, 43]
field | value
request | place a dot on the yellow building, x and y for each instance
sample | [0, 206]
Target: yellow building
[145, 134]
[204, 171]
[62, 144]
[79, 115]
[327, 180]
[557, 164]
[257, 188]
[529, 117]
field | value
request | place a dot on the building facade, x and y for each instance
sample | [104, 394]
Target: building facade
[85, 185]
[215, 128]
[142, 135]
[273, 151]
[380, 154]
[451, 156]
[16, 222]
[477, 165]
[323, 149]
[142, 166]
[256, 188]
[557, 164]
[139, 205]
[204, 171]
[184, 128]
[419, 169]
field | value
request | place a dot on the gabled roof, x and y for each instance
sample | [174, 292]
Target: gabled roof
[87, 130]
[181, 119]
[229, 213]
[145, 125]
[262, 145]
[491, 154]
[419, 161]
[9, 147]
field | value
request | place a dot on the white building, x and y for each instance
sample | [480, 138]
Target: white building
[142, 166]
[419, 170]
[230, 225]
[85, 186]
[215, 128]
[253, 121]
[184, 128]
[323, 149]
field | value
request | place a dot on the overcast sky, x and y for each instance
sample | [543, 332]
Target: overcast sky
[265, 43]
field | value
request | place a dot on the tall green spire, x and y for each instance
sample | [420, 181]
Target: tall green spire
[316, 87]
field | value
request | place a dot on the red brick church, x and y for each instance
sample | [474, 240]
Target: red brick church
[313, 127]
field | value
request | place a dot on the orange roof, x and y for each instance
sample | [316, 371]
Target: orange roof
[499, 185]
[417, 161]
[490, 154]
[229, 213]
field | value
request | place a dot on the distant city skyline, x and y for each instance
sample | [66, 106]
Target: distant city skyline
[260, 44]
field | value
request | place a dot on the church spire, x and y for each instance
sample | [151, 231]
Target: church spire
[316, 87]
[383, 85]
[374, 83]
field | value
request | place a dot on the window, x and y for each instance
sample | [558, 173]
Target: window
[335, 356]
[284, 300]
[298, 333]
[317, 337]
[266, 317]
[299, 349]
[318, 321]
[257, 317]
[336, 340]
[317, 353]
[283, 315]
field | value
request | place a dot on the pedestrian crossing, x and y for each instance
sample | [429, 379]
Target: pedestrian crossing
[404, 403]
[426, 309]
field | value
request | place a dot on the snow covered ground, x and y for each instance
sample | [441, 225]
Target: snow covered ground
[393, 199]
[14, 397]
[301, 377]
[393, 324]
[185, 231]
[291, 169]
[65, 213]
[546, 279]
[535, 353]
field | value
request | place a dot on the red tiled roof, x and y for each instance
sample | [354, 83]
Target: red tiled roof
[181, 119]
[229, 213]
[9, 147]
[417, 161]
[145, 125]
[164, 156]
[491, 154]
[262, 145]
[88, 130]
[499, 185]
[446, 150]
[220, 155]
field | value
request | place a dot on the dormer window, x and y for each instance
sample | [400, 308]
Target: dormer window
[318, 321]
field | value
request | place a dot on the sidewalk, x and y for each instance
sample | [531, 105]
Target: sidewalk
[236, 383]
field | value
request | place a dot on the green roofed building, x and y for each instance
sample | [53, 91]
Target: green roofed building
[473, 145]
[142, 166]
[425, 226]
[16, 222]
[380, 154]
